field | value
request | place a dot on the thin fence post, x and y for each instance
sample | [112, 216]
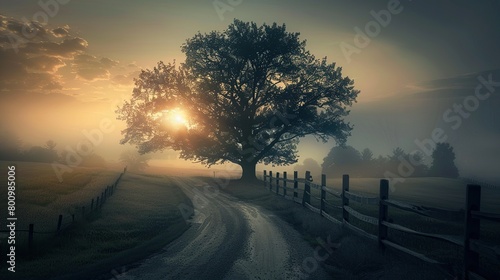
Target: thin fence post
[270, 180]
[323, 194]
[306, 198]
[295, 184]
[30, 237]
[265, 182]
[382, 212]
[472, 228]
[277, 182]
[59, 222]
[345, 200]
[284, 183]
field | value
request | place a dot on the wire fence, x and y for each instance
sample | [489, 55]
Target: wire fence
[64, 221]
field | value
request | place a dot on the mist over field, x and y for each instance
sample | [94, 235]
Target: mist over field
[243, 139]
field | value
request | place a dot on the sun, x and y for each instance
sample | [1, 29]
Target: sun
[177, 118]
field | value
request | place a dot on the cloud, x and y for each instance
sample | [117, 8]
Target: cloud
[61, 31]
[90, 68]
[125, 79]
[40, 59]
[456, 84]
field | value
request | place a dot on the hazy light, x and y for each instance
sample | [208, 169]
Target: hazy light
[176, 118]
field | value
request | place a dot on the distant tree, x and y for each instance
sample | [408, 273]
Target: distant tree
[134, 160]
[308, 164]
[342, 159]
[443, 162]
[50, 144]
[40, 154]
[248, 94]
[397, 153]
[415, 160]
[366, 155]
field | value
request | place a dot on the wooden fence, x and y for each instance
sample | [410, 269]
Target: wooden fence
[470, 240]
[94, 205]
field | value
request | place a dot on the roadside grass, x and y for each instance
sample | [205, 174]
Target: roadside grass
[358, 258]
[140, 218]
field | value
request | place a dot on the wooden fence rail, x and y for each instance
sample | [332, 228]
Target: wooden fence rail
[108, 191]
[470, 240]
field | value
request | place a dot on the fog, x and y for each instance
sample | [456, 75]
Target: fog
[67, 83]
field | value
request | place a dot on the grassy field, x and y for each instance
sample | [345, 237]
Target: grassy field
[434, 192]
[40, 197]
[139, 218]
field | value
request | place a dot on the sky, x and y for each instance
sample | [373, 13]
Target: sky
[411, 61]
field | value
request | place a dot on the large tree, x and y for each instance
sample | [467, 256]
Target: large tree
[247, 94]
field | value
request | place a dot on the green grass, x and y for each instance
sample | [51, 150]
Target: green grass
[139, 218]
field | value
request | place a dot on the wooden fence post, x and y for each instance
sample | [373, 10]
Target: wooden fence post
[277, 183]
[306, 198]
[382, 212]
[284, 183]
[472, 228]
[323, 194]
[265, 182]
[30, 237]
[345, 200]
[59, 222]
[295, 184]
[270, 180]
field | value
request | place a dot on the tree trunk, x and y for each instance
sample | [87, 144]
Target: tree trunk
[248, 171]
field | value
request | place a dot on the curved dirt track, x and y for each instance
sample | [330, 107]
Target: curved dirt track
[228, 239]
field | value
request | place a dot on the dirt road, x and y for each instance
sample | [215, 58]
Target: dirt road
[229, 239]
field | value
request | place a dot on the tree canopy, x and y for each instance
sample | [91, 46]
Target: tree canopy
[247, 94]
[443, 161]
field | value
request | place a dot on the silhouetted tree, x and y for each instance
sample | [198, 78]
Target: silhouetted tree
[248, 93]
[342, 159]
[415, 160]
[134, 161]
[308, 164]
[366, 155]
[443, 161]
[50, 144]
